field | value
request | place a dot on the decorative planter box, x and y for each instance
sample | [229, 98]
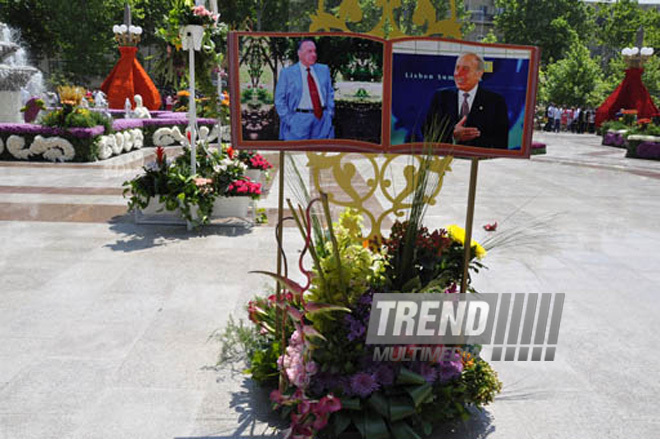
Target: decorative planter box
[255, 175]
[643, 147]
[615, 138]
[231, 207]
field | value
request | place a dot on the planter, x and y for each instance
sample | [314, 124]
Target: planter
[191, 36]
[155, 213]
[231, 207]
[254, 175]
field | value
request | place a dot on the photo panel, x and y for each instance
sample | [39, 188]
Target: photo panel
[320, 91]
[469, 99]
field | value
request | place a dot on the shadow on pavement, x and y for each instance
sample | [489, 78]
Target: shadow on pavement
[136, 237]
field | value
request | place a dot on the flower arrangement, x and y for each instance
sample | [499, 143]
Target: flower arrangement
[254, 160]
[313, 335]
[170, 69]
[243, 188]
[219, 174]
[196, 15]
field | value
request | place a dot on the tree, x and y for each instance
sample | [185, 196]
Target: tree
[544, 23]
[573, 80]
[78, 32]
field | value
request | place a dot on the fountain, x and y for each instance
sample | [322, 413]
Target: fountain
[18, 81]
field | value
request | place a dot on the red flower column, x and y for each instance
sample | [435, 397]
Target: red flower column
[629, 95]
[127, 79]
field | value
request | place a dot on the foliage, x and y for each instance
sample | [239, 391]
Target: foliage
[76, 117]
[574, 80]
[171, 62]
[174, 186]
[553, 25]
[329, 381]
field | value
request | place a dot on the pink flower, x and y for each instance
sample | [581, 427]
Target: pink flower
[329, 404]
[276, 396]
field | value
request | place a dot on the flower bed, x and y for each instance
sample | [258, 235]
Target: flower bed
[538, 148]
[215, 190]
[34, 142]
[643, 147]
[615, 138]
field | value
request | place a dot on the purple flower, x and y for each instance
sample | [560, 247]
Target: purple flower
[449, 370]
[26, 128]
[355, 327]
[127, 124]
[384, 375]
[363, 384]
[429, 372]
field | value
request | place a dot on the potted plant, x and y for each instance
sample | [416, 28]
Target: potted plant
[146, 190]
[256, 164]
[237, 198]
[193, 21]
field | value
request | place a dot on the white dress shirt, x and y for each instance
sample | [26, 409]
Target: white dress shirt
[306, 100]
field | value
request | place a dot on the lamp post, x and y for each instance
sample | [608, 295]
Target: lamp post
[635, 57]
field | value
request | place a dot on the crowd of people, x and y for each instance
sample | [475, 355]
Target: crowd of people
[576, 120]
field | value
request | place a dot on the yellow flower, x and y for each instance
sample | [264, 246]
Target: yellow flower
[457, 234]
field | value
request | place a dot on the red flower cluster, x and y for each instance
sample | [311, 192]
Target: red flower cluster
[434, 243]
[244, 188]
[160, 155]
[257, 161]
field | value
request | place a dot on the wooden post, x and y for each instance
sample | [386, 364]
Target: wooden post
[472, 192]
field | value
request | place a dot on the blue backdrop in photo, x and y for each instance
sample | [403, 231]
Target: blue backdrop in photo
[416, 77]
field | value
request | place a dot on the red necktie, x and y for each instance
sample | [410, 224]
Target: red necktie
[314, 95]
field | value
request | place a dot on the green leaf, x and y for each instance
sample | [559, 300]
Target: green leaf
[370, 425]
[402, 430]
[413, 284]
[419, 393]
[340, 422]
[317, 307]
[407, 376]
[379, 403]
[427, 427]
[351, 404]
[401, 408]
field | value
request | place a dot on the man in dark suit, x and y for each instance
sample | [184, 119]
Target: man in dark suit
[304, 97]
[470, 114]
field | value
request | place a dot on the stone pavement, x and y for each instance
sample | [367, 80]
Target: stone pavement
[104, 324]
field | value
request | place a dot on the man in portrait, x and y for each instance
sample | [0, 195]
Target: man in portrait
[304, 97]
[470, 114]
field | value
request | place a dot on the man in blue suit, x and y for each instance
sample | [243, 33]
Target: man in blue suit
[304, 98]
[471, 114]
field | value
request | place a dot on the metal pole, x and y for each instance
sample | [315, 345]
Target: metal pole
[472, 193]
[281, 313]
[192, 110]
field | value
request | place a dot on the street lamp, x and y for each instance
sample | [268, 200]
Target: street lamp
[635, 57]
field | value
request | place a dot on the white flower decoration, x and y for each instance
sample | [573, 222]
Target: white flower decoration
[53, 148]
[16, 147]
[107, 145]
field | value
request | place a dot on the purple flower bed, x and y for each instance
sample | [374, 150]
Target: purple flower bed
[26, 128]
[613, 139]
[648, 150]
[127, 124]
[169, 121]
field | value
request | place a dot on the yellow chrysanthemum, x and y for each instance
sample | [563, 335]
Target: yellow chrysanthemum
[457, 234]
